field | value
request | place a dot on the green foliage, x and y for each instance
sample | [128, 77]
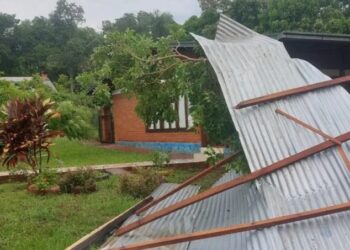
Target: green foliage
[9, 91]
[160, 159]
[102, 96]
[240, 164]
[7, 26]
[82, 181]
[331, 16]
[55, 44]
[158, 77]
[44, 180]
[141, 183]
[24, 132]
[272, 16]
[208, 108]
[204, 25]
[75, 121]
[220, 5]
[128, 59]
[212, 156]
[155, 23]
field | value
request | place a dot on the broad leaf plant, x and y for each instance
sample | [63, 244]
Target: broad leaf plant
[24, 133]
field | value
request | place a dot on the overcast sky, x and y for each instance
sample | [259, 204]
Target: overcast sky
[98, 10]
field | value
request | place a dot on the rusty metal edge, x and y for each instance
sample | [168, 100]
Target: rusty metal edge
[100, 232]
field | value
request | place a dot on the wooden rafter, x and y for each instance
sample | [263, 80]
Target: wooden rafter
[321, 133]
[293, 91]
[233, 183]
[189, 181]
[280, 220]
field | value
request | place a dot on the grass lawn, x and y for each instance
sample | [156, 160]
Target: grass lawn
[77, 153]
[54, 222]
[73, 153]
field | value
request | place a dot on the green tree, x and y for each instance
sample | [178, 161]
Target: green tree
[157, 75]
[204, 25]
[332, 16]
[56, 44]
[272, 16]
[7, 26]
[220, 5]
[156, 24]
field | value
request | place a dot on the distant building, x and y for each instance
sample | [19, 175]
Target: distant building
[328, 52]
[19, 79]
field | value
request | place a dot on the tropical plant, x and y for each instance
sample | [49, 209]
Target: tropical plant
[25, 134]
[212, 156]
[43, 181]
[160, 159]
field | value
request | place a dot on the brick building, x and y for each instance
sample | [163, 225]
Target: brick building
[129, 130]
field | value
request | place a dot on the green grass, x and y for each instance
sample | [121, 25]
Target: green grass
[179, 175]
[73, 153]
[77, 153]
[55, 221]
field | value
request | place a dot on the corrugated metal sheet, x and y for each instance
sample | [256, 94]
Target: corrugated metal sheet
[181, 221]
[250, 65]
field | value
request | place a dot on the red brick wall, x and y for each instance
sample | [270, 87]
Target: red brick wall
[129, 127]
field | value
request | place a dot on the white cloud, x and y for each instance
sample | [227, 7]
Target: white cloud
[98, 10]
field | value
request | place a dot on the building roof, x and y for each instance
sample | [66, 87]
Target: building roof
[327, 37]
[19, 79]
[250, 65]
[16, 79]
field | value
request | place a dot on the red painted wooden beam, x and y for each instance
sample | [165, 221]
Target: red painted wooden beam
[293, 91]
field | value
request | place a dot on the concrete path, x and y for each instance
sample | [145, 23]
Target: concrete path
[112, 168]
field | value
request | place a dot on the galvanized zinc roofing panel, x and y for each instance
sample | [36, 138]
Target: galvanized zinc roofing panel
[179, 222]
[249, 66]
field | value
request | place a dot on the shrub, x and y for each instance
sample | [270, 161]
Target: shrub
[43, 183]
[82, 181]
[24, 133]
[212, 156]
[160, 159]
[141, 183]
[9, 91]
[75, 121]
[44, 180]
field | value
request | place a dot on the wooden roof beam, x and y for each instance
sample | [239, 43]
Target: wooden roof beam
[319, 132]
[233, 183]
[293, 91]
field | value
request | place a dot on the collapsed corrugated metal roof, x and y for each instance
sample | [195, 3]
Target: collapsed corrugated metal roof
[250, 65]
[179, 222]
